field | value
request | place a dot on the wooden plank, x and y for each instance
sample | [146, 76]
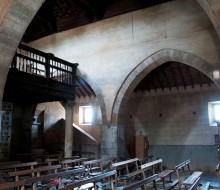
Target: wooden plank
[207, 185]
[55, 175]
[150, 164]
[164, 173]
[9, 166]
[192, 178]
[90, 180]
[140, 183]
[195, 184]
[182, 164]
[35, 170]
[124, 162]
[9, 185]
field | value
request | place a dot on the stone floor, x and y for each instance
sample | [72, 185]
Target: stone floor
[211, 177]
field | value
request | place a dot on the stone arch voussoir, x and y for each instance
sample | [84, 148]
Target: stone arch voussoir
[150, 63]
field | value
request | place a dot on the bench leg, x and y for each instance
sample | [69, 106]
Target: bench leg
[143, 187]
[155, 185]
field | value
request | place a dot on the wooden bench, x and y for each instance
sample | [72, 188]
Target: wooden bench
[18, 166]
[207, 186]
[188, 178]
[5, 169]
[119, 166]
[46, 181]
[96, 167]
[75, 163]
[12, 185]
[156, 168]
[196, 184]
[9, 162]
[91, 182]
[59, 179]
[34, 172]
[142, 183]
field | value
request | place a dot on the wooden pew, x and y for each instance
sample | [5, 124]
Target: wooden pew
[119, 166]
[18, 166]
[43, 182]
[156, 168]
[91, 182]
[9, 162]
[34, 172]
[13, 185]
[142, 183]
[58, 160]
[96, 167]
[188, 178]
[196, 184]
[207, 186]
[5, 169]
[75, 163]
[59, 179]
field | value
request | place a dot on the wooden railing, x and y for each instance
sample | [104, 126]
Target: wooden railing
[43, 64]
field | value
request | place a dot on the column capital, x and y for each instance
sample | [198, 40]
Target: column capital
[68, 104]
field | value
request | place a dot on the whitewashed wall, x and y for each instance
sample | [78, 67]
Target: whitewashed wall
[108, 50]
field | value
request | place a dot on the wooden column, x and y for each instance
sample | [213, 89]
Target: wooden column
[68, 149]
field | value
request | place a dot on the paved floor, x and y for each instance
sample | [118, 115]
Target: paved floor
[211, 177]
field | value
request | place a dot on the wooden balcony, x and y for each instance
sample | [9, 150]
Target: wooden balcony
[36, 77]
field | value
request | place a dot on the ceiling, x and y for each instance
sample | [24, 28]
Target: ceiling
[173, 75]
[59, 15]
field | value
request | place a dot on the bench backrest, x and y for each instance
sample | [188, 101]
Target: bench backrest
[11, 185]
[142, 183]
[125, 164]
[100, 163]
[184, 168]
[51, 161]
[70, 163]
[34, 172]
[18, 165]
[59, 176]
[94, 180]
[155, 166]
[34, 180]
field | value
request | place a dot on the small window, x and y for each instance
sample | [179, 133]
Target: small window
[214, 113]
[85, 115]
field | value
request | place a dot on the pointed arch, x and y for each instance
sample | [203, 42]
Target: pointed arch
[150, 63]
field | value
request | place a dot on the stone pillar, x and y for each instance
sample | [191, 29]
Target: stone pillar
[1, 112]
[68, 149]
[112, 141]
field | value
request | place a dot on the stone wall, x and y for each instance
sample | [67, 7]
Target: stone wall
[176, 124]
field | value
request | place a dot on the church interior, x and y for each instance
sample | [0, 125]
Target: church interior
[130, 88]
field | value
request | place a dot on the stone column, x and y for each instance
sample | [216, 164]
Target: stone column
[68, 149]
[112, 141]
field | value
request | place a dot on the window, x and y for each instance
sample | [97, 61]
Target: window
[214, 113]
[85, 115]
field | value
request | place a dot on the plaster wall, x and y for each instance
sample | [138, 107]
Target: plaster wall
[108, 50]
[54, 126]
[176, 124]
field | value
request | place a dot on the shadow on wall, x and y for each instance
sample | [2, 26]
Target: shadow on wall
[54, 139]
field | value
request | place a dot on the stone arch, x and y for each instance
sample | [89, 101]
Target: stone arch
[98, 93]
[150, 63]
[212, 9]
